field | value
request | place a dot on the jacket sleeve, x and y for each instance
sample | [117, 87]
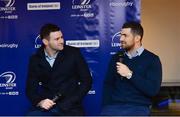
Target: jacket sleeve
[151, 84]
[84, 78]
[32, 83]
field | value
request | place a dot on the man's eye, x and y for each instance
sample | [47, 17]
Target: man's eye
[123, 35]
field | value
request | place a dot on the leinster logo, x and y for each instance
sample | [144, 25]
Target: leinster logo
[7, 6]
[8, 3]
[82, 2]
[7, 80]
[81, 5]
[116, 40]
[38, 42]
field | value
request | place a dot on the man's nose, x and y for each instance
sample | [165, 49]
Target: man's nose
[61, 40]
[121, 38]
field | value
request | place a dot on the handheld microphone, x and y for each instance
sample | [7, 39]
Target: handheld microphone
[120, 56]
[120, 59]
[56, 97]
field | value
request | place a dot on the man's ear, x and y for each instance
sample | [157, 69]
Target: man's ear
[45, 42]
[137, 38]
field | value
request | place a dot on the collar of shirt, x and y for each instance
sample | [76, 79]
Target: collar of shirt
[135, 53]
[50, 57]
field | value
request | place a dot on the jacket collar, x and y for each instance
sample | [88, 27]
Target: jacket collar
[41, 55]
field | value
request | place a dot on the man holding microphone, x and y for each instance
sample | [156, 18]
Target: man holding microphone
[134, 76]
[58, 76]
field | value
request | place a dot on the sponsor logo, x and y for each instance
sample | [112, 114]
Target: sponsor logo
[120, 4]
[9, 17]
[77, 4]
[5, 45]
[8, 3]
[37, 42]
[84, 2]
[115, 40]
[83, 43]
[44, 6]
[7, 6]
[86, 15]
[82, 6]
[92, 92]
[8, 79]
[11, 93]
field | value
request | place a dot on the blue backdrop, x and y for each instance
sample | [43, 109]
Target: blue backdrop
[91, 25]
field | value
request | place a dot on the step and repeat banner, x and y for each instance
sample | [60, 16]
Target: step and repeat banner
[92, 25]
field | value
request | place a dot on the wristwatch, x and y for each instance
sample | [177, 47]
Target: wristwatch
[129, 75]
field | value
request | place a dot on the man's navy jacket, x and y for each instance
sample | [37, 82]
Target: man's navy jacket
[69, 77]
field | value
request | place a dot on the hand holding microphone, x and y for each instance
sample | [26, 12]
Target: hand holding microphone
[57, 97]
[123, 69]
[46, 104]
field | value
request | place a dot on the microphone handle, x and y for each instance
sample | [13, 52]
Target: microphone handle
[121, 59]
[55, 98]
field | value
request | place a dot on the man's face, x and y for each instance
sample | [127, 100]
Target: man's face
[56, 41]
[127, 39]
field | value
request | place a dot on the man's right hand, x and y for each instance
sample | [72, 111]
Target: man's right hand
[46, 104]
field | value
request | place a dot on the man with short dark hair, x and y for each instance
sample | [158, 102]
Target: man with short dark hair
[58, 76]
[134, 76]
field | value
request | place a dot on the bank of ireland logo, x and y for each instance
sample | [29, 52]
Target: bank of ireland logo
[8, 3]
[38, 42]
[115, 42]
[7, 80]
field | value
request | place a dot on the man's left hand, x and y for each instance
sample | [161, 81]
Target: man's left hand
[122, 69]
